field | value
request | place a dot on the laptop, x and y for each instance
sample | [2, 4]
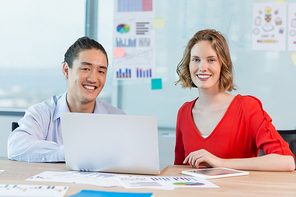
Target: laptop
[110, 143]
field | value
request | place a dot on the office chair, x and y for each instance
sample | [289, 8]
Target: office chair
[290, 137]
[14, 125]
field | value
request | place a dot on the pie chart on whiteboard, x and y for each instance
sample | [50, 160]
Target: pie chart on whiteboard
[123, 28]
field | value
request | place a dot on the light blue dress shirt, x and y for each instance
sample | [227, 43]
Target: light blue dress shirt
[38, 137]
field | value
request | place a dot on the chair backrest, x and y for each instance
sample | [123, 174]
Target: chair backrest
[14, 125]
[290, 137]
[286, 131]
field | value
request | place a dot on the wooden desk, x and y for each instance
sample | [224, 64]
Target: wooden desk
[255, 184]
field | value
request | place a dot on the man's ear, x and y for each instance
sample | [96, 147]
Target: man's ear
[66, 70]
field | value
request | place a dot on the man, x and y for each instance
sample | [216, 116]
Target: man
[38, 137]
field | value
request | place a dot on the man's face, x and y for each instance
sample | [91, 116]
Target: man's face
[87, 76]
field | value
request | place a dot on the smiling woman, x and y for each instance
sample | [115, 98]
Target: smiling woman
[218, 129]
[204, 66]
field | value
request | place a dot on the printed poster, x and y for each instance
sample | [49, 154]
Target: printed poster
[134, 47]
[269, 26]
[292, 26]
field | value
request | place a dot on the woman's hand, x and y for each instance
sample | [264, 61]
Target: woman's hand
[204, 158]
[270, 162]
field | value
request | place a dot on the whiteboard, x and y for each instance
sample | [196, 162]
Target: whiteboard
[267, 75]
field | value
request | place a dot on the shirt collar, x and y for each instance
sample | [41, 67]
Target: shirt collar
[99, 108]
[62, 107]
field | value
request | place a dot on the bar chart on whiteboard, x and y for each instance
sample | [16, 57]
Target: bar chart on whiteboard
[140, 73]
[134, 38]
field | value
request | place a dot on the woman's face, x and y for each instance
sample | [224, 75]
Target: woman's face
[204, 66]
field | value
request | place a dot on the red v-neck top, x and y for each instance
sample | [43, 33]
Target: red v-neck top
[243, 130]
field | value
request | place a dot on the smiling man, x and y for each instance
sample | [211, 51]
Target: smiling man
[38, 137]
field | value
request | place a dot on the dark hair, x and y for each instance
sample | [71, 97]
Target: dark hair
[219, 44]
[83, 43]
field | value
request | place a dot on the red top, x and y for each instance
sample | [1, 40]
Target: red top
[243, 130]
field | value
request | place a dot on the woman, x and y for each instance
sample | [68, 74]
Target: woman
[218, 129]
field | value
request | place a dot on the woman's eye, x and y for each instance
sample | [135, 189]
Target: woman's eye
[211, 60]
[195, 60]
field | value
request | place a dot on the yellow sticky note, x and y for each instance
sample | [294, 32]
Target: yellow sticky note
[293, 56]
[280, 1]
[158, 23]
[119, 52]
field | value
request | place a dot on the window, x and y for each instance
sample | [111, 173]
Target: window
[34, 37]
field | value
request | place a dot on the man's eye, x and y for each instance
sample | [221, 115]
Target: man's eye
[84, 69]
[102, 72]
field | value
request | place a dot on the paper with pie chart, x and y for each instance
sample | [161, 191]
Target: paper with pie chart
[133, 36]
[269, 26]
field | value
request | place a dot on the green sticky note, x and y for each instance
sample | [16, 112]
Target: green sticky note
[156, 84]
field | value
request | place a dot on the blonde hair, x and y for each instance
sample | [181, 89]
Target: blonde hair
[219, 44]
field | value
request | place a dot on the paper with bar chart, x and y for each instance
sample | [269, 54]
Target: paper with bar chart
[134, 33]
[269, 26]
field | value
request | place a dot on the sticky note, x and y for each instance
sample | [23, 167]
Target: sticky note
[158, 23]
[119, 52]
[156, 84]
[293, 56]
[280, 1]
